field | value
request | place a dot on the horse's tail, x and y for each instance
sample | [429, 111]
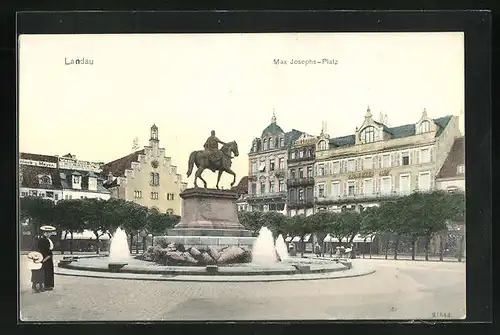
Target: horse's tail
[192, 158]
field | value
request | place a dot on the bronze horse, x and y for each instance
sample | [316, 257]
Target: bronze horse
[201, 158]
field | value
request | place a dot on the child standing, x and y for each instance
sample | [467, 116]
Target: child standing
[37, 273]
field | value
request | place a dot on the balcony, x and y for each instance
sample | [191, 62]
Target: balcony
[301, 159]
[300, 182]
[304, 203]
[266, 197]
[341, 199]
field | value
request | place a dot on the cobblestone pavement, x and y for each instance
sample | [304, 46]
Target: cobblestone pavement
[397, 290]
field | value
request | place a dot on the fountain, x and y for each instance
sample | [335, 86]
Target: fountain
[281, 248]
[119, 254]
[263, 250]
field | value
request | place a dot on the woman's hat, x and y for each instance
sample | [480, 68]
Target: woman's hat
[33, 257]
[47, 228]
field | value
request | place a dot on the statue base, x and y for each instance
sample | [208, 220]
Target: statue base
[209, 217]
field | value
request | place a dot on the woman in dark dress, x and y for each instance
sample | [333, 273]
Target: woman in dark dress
[47, 263]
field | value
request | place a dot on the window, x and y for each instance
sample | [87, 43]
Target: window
[292, 173]
[170, 211]
[33, 193]
[404, 184]
[321, 170]
[271, 143]
[322, 145]
[336, 167]
[271, 187]
[385, 185]
[405, 158]
[350, 188]
[154, 195]
[386, 161]
[282, 142]
[321, 191]
[336, 189]
[351, 165]
[137, 194]
[265, 144]
[262, 187]
[425, 155]
[367, 135]
[254, 167]
[309, 172]
[281, 163]
[262, 166]
[461, 169]
[154, 179]
[301, 194]
[368, 163]
[301, 153]
[301, 173]
[271, 164]
[292, 155]
[282, 185]
[425, 126]
[424, 181]
[76, 180]
[368, 187]
[170, 196]
[254, 188]
[49, 194]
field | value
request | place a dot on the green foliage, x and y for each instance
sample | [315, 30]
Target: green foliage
[158, 223]
[69, 216]
[39, 210]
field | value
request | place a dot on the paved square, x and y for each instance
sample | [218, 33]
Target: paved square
[397, 290]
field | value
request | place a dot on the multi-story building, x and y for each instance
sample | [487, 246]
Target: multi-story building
[451, 177]
[58, 178]
[242, 190]
[300, 181]
[268, 165]
[146, 177]
[379, 162]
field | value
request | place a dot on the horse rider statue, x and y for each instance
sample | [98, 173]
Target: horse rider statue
[212, 147]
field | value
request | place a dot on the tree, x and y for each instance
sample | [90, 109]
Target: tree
[351, 224]
[370, 224]
[158, 223]
[388, 215]
[135, 220]
[38, 210]
[251, 220]
[94, 218]
[319, 222]
[68, 216]
[274, 221]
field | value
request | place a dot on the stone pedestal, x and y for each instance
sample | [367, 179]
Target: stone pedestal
[209, 217]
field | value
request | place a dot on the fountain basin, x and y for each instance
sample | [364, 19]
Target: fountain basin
[116, 266]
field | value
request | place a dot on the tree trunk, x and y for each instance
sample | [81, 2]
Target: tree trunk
[131, 240]
[71, 244]
[413, 248]
[63, 244]
[371, 242]
[460, 248]
[387, 247]
[441, 246]
[426, 248]
[144, 244]
[97, 246]
[396, 247]
[364, 244]
[137, 244]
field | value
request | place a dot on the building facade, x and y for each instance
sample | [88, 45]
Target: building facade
[451, 177]
[300, 181]
[378, 162]
[267, 168]
[146, 177]
[242, 190]
[58, 178]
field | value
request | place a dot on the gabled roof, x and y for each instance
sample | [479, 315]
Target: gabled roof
[343, 141]
[118, 166]
[291, 137]
[242, 187]
[66, 182]
[455, 157]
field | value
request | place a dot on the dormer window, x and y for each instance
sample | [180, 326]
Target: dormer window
[425, 126]
[282, 142]
[265, 144]
[461, 169]
[44, 180]
[271, 143]
[322, 145]
[254, 149]
[76, 180]
[367, 135]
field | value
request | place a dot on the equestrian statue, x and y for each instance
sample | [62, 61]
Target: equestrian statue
[214, 159]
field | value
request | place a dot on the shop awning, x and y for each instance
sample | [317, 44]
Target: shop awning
[288, 239]
[357, 239]
[307, 238]
[296, 239]
[86, 235]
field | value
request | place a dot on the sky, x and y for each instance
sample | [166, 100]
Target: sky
[189, 84]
